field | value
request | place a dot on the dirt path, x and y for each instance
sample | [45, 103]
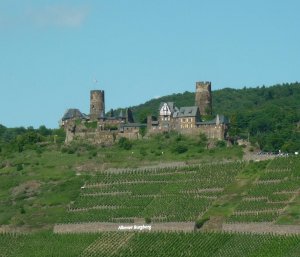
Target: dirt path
[261, 228]
[110, 227]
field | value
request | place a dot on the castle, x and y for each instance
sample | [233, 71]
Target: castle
[101, 128]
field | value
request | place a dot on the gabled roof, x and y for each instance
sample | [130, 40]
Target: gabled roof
[190, 111]
[171, 106]
[73, 114]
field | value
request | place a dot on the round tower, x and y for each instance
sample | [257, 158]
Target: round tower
[203, 98]
[97, 104]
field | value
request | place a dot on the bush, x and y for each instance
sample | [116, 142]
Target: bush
[71, 151]
[19, 167]
[179, 138]
[125, 143]
[93, 153]
[221, 143]
[143, 151]
[202, 140]
[148, 220]
[22, 210]
[143, 131]
[200, 223]
[64, 149]
[180, 148]
[91, 125]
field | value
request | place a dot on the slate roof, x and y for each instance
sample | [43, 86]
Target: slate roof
[221, 117]
[73, 114]
[190, 111]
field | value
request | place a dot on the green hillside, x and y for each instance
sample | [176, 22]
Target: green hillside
[163, 179]
[269, 115]
[59, 184]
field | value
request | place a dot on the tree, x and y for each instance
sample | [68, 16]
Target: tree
[142, 116]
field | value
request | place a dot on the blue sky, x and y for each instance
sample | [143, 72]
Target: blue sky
[52, 51]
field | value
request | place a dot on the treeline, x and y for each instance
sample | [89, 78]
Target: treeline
[20, 138]
[268, 116]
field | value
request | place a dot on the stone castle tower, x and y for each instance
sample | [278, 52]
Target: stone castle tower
[97, 104]
[203, 97]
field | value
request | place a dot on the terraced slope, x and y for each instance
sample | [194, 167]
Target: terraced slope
[234, 192]
[162, 195]
[271, 193]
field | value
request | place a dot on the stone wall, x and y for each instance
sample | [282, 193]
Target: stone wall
[97, 136]
[211, 131]
[100, 138]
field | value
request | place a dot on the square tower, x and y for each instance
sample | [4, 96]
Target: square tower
[97, 104]
[203, 97]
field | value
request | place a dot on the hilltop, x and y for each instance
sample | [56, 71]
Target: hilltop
[268, 115]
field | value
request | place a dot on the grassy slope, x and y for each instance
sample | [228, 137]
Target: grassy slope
[39, 193]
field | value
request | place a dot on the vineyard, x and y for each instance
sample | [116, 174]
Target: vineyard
[186, 193]
[270, 194]
[161, 195]
[236, 192]
[149, 244]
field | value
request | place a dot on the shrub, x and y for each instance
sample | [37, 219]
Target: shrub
[64, 149]
[93, 153]
[19, 167]
[22, 210]
[71, 151]
[148, 220]
[125, 143]
[179, 138]
[91, 125]
[202, 140]
[143, 151]
[221, 143]
[180, 148]
[143, 131]
[200, 223]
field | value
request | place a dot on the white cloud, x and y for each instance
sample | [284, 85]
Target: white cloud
[58, 15]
